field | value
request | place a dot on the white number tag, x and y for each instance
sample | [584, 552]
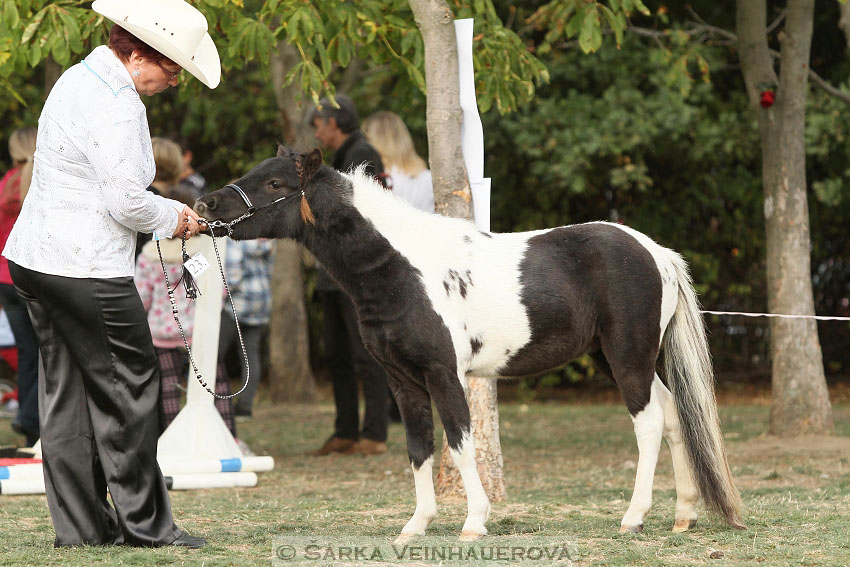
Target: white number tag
[197, 265]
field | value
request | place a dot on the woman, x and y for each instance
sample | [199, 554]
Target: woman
[409, 176]
[150, 281]
[13, 189]
[71, 257]
[165, 179]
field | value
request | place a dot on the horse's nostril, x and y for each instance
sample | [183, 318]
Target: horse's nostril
[209, 203]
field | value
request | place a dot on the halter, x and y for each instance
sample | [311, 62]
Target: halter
[191, 290]
[251, 209]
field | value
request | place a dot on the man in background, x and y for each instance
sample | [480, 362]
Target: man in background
[338, 129]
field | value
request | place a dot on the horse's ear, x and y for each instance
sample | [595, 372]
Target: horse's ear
[312, 162]
[281, 150]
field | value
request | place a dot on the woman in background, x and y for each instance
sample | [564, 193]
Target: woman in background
[410, 177]
[407, 175]
[150, 281]
[13, 189]
[164, 183]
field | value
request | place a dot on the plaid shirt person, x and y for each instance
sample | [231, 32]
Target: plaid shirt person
[248, 268]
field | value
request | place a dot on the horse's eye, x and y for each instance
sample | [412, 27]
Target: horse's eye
[276, 184]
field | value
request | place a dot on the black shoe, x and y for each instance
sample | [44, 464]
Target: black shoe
[190, 541]
[32, 436]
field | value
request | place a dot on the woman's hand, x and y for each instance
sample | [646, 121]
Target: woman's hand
[188, 221]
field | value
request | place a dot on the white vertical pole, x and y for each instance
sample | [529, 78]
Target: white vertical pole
[198, 430]
[207, 323]
[472, 133]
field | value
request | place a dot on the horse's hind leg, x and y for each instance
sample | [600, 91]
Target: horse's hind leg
[648, 425]
[634, 378]
[450, 400]
[687, 493]
[414, 405]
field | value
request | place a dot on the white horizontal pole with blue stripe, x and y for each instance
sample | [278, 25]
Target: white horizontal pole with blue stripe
[177, 465]
[35, 485]
[169, 467]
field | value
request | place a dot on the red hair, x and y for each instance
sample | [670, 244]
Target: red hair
[123, 44]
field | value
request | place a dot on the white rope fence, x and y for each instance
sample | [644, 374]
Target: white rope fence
[778, 315]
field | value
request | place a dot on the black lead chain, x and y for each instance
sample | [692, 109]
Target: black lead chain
[192, 292]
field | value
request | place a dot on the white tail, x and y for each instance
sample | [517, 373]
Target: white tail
[689, 373]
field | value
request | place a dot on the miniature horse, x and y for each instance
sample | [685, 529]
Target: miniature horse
[438, 300]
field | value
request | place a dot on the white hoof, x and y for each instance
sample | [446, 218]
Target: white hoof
[471, 535]
[631, 529]
[417, 525]
[684, 524]
[406, 538]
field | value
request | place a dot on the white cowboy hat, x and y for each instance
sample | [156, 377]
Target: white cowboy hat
[172, 27]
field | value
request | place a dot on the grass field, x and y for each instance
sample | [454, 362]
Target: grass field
[569, 470]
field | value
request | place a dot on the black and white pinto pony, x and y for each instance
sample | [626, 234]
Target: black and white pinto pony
[438, 300]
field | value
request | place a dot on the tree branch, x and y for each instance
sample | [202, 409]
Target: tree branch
[701, 25]
[776, 22]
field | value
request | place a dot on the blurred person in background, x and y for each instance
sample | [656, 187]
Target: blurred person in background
[409, 176]
[338, 129]
[248, 266]
[190, 180]
[168, 163]
[171, 353]
[13, 189]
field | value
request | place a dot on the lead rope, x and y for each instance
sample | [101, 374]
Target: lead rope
[191, 293]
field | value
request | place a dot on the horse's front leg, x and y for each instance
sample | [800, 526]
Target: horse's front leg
[426, 501]
[450, 399]
[478, 505]
[414, 405]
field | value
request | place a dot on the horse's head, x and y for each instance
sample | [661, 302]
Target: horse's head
[269, 201]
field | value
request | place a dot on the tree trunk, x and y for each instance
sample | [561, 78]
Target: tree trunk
[483, 409]
[297, 133]
[800, 398]
[452, 195]
[289, 346]
[52, 72]
[453, 198]
[844, 21]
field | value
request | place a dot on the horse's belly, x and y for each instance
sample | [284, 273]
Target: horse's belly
[488, 346]
[536, 359]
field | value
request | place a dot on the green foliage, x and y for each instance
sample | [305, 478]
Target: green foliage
[228, 130]
[327, 35]
[637, 131]
[570, 18]
[612, 139]
[32, 30]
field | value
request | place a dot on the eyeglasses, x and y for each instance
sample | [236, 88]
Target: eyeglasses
[170, 74]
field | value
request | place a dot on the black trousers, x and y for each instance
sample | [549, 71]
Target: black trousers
[348, 359]
[27, 344]
[99, 401]
[252, 335]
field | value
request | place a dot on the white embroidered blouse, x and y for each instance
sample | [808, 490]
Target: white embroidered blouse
[93, 163]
